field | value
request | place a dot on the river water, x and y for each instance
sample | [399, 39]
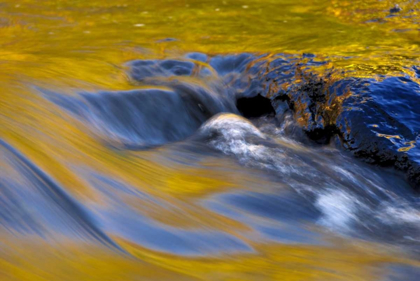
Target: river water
[125, 155]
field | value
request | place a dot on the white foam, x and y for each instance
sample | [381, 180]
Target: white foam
[393, 215]
[338, 209]
[232, 138]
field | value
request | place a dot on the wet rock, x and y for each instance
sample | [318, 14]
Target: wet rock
[395, 9]
[376, 120]
[380, 123]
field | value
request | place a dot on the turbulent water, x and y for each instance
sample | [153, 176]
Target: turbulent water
[265, 140]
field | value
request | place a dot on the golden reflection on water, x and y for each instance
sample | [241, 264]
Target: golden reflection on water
[37, 260]
[84, 45]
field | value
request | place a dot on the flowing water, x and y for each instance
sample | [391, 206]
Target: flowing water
[123, 154]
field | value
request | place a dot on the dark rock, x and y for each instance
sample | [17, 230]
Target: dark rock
[380, 122]
[377, 120]
[395, 9]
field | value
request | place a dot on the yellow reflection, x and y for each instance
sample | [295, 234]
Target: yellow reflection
[37, 260]
[83, 45]
[411, 144]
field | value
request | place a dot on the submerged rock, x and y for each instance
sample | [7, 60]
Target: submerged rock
[142, 69]
[144, 118]
[228, 127]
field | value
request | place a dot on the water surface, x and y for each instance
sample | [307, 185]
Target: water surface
[112, 169]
